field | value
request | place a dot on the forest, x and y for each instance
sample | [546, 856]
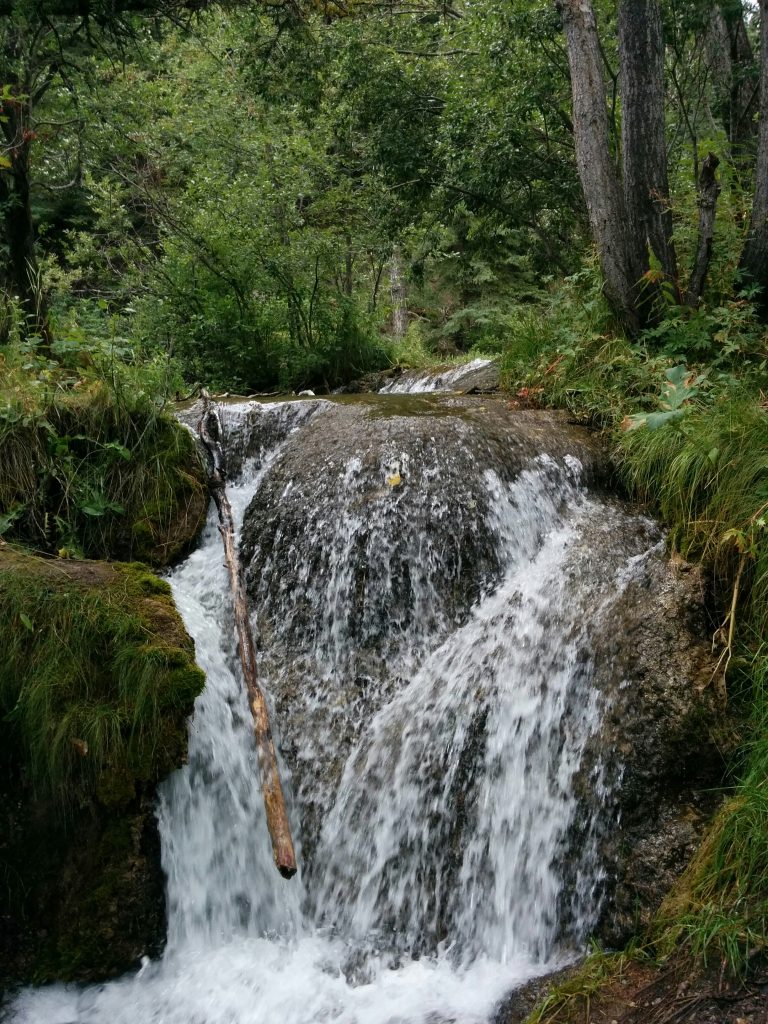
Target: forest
[258, 197]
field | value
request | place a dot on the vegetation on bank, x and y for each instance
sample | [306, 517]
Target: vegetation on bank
[97, 676]
[92, 463]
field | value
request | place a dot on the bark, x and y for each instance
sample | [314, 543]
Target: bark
[709, 190]
[754, 258]
[731, 64]
[209, 430]
[643, 143]
[599, 181]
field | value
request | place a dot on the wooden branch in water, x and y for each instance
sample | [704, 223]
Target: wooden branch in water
[209, 430]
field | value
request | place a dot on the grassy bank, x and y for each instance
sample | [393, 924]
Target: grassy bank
[93, 465]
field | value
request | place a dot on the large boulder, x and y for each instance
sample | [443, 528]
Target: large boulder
[373, 535]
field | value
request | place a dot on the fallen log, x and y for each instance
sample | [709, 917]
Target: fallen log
[209, 430]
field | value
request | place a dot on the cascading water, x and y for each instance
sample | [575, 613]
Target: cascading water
[432, 740]
[445, 380]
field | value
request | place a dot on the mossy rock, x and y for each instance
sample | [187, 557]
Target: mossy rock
[97, 681]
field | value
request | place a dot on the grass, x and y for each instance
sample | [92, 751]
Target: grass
[571, 999]
[97, 675]
[719, 909]
[93, 465]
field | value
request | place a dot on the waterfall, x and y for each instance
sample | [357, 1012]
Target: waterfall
[438, 863]
[444, 380]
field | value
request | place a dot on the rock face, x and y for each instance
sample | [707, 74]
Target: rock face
[371, 538]
[96, 684]
[658, 755]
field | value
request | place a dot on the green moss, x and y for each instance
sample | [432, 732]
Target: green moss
[97, 675]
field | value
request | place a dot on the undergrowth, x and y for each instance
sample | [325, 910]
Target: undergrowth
[92, 464]
[97, 675]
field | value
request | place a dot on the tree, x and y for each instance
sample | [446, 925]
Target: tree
[631, 219]
[643, 144]
[754, 259]
[602, 191]
[42, 43]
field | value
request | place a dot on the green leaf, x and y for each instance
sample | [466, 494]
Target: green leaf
[26, 621]
[661, 419]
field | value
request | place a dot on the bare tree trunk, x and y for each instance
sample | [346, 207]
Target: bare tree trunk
[209, 430]
[16, 201]
[754, 258]
[599, 181]
[643, 143]
[398, 295]
[731, 63]
[709, 190]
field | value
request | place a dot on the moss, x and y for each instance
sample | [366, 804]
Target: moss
[96, 684]
[96, 660]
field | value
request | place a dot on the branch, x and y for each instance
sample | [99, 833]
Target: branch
[209, 430]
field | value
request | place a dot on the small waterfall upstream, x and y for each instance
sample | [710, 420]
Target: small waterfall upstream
[421, 382]
[432, 741]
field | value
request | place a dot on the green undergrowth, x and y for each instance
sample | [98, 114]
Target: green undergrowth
[94, 465]
[571, 998]
[685, 406]
[97, 676]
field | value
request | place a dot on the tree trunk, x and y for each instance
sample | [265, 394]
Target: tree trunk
[709, 190]
[599, 181]
[15, 197]
[643, 143]
[398, 295]
[731, 64]
[209, 430]
[754, 258]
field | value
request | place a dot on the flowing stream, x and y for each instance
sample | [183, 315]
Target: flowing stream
[438, 862]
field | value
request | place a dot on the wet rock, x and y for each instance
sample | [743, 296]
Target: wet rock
[659, 754]
[369, 541]
[480, 376]
[394, 489]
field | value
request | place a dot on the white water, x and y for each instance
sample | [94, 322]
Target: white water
[445, 380]
[438, 881]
